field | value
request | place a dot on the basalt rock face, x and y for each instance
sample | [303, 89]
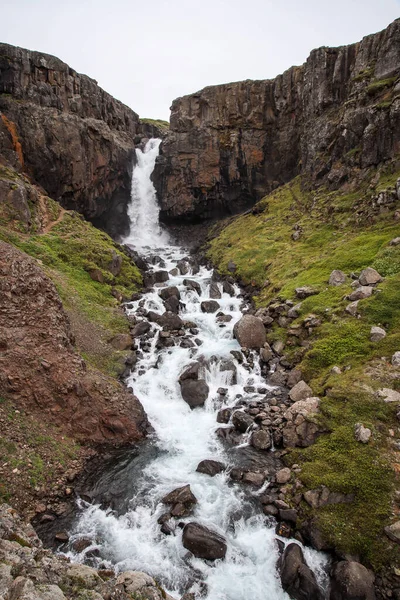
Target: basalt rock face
[41, 371]
[329, 119]
[68, 134]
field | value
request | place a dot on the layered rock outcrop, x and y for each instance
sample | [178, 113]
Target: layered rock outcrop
[41, 371]
[68, 134]
[333, 117]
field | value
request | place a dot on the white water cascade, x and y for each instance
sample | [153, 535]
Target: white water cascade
[182, 438]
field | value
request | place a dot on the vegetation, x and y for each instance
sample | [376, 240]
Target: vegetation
[163, 125]
[337, 231]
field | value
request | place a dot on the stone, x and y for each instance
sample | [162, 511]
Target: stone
[214, 291]
[228, 288]
[297, 578]
[194, 392]
[294, 377]
[395, 241]
[169, 292]
[256, 479]
[337, 278]
[231, 266]
[304, 408]
[190, 372]
[141, 329]
[181, 495]
[241, 421]
[170, 321]
[377, 334]
[210, 467]
[261, 439]
[266, 353]
[202, 542]
[361, 433]
[389, 395]
[283, 475]
[360, 293]
[294, 311]
[352, 581]
[393, 532]
[305, 292]
[61, 536]
[352, 308]
[85, 576]
[229, 367]
[300, 391]
[224, 415]
[369, 276]
[121, 341]
[288, 514]
[209, 306]
[96, 275]
[250, 332]
[396, 359]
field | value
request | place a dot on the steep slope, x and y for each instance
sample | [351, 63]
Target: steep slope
[330, 119]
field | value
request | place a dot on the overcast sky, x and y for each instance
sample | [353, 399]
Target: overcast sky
[148, 52]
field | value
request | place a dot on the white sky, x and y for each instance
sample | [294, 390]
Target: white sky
[148, 52]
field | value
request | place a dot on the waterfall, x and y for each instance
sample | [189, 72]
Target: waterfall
[143, 209]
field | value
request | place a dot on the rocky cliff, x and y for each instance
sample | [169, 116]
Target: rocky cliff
[331, 119]
[73, 138]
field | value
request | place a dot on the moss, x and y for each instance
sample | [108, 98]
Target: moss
[381, 84]
[157, 123]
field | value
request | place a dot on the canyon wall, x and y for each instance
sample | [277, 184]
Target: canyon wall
[68, 134]
[329, 119]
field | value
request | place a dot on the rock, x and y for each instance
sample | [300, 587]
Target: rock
[214, 290]
[135, 584]
[304, 408]
[294, 311]
[323, 496]
[278, 377]
[396, 359]
[141, 329]
[305, 292]
[202, 542]
[288, 514]
[266, 353]
[241, 421]
[209, 306]
[250, 332]
[121, 341]
[360, 293]
[256, 479]
[224, 415]
[393, 532]
[231, 266]
[369, 276]
[337, 278]
[278, 347]
[352, 308]
[377, 334]
[192, 285]
[228, 288]
[395, 241]
[389, 395]
[96, 275]
[169, 292]
[181, 495]
[297, 578]
[170, 321]
[228, 366]
[352, 581]
[172, 305]
[61, 536]
[261, 439]
[283, 476]
[194, 392]
[210, 467]
[300, 391]
[160, 276]
[293, 378]
[190, 372]
[84, 576]
[361, 433]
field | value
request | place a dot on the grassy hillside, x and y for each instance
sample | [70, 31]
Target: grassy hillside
[347, 231]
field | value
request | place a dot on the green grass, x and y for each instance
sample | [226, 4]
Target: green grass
[381, 84]
[157, 122]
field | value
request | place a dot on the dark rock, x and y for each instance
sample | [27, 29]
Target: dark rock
[141, 329]
[169, 321]
[228, 288]
[209, 306]
[297, 578]
[241, 421]
[182, 495]
[250, 332]
[305, 292]
[194, 392]
[224, 415]
[210, 467]
[352, 581]
[214, 291]
[190, 372]
[261, 439]
[288, 514]
[172, 305]
[192, 285]
[227, 365]
[169, 291]
[202, 542]
[160, 276]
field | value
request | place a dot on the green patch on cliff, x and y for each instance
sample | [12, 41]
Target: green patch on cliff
[163, 125]
[334, 230]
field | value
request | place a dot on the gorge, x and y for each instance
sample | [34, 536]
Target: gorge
[264, 365]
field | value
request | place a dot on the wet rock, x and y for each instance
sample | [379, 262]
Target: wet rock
[261, 439]
[169, 292]
[337, 278]
[141, 329]
[241, 421]
[192, 285]
[300, 391]
[194, 392]
[160, 276]
[377, 334]
[221, 318]
[224, 415]
[352, 581]
[250, 332]
[170, 321]
[361, 433]
[190, 372]
[183, 267]
[360, 293]
[122, 341]
[174, 272]
[305, 292]
[172, 305]
[181, 495]
[288, 514]
[214, 291]
[297, 578]
[209, 306]
[202, 542]
[228, 288]
[369, 276]
[210, 467]
[229, 366]
[283, 476]
[238, 355]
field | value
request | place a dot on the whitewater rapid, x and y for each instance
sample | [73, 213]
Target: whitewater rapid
[182, 438]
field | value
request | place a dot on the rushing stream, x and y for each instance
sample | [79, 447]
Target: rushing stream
[183, 437]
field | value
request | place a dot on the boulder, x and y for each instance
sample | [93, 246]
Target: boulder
[250, 332]
[224, 415]
[377, 334]
[160, 276]
[300, 391]
[305, 292]
[194, 392]
[170, 321]
[293, 378]
[209, 306]
[190, 372]
[294, 311]
[297, 578]
[369, 276]
[181, 495]
[352, 308]
[283, 476]
[361, 433]
[202, 542]
[122, 341]
[210, 467]
[364, 291]
[168, 292]
[228, 288]
[352, 581]
[396, 359]
[231, 266]
[214, 291]
[183, 266]
[192, 285]
[253, 478]
[393, 532]
[302, 407]
[266, 353]
[395, 241]
[261, 439]
[141, 329]
[241, 421]
[337, 278]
